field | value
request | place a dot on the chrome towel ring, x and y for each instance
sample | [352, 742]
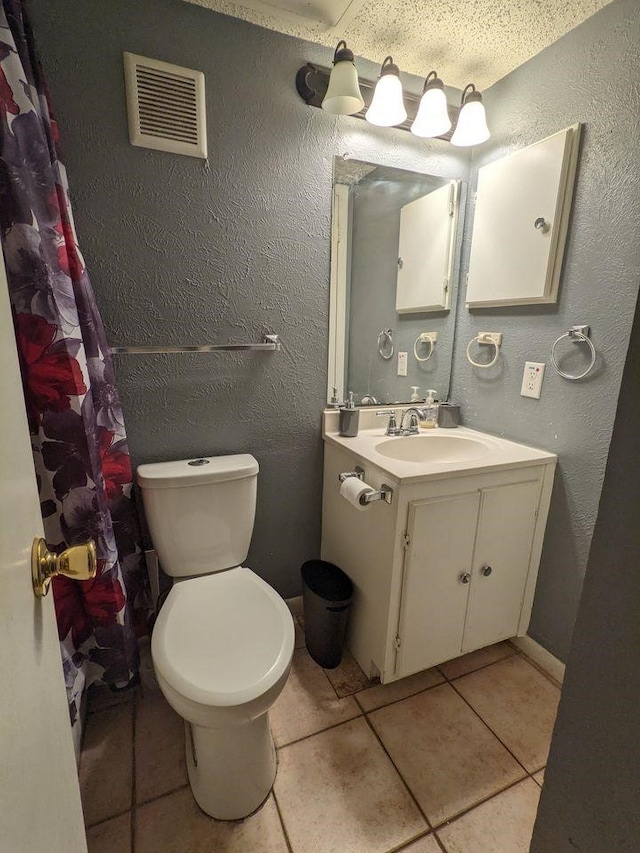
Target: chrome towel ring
[385, 344]
[577, 334]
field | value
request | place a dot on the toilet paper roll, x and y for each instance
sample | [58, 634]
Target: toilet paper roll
[352, 490]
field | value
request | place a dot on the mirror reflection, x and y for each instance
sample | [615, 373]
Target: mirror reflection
[395, 244]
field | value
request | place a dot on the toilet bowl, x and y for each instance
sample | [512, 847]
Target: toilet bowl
[223, 642]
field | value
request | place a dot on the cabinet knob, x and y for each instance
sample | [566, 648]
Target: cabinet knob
[486, 571]
[465, 577]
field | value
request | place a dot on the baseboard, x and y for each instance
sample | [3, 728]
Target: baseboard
[295, 605]
[549, 664]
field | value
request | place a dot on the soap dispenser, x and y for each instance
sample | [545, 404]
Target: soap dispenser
[430, 411]
[349, 418]
[415, 396]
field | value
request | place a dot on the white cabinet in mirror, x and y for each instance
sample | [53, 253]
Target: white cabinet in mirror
[395, 246]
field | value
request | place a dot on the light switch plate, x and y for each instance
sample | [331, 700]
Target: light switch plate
[532, 379]
[402, 364]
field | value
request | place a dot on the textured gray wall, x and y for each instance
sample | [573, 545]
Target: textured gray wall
[591, 789]
[590, 75]
[377, 203]
[180, 251]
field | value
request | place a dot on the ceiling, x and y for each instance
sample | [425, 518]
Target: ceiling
[466, 41]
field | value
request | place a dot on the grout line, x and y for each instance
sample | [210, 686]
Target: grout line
[402, 779]
[102, 820]
[537, 667]
[282, 824]
[513, 653]
[466, 811]
[439, 843]
[164, 794]
[401, 699]
[320, 731]
[134, 720]
[484, 723]
[406, 844]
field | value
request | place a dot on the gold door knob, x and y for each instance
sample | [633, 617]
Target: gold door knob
[79, 562]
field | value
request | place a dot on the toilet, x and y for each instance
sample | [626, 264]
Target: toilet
[223, 642]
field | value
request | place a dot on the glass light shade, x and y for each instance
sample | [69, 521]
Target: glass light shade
[433, 117]
[387, 107]
[343, 96]
[472, 125]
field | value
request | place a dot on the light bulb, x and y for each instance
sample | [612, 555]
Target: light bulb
[433, 116]
[387, 107]
[471, 128]
[343, 96]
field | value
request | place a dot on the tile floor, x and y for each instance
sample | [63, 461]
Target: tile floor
[446, 760]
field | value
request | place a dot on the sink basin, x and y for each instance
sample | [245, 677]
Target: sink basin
[433, 448]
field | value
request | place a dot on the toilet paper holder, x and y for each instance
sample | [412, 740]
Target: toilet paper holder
[384, 494]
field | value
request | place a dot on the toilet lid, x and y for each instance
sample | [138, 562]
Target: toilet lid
[223, 639]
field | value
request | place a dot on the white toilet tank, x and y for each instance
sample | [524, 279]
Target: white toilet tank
[200, 512]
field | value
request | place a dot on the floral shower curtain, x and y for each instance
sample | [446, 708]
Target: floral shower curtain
[75, 418]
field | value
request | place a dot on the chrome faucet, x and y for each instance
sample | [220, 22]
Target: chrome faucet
[417, 415]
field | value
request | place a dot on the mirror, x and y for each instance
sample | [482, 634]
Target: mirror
[395, 248]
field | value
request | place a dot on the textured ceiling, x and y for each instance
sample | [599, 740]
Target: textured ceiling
[464, 40]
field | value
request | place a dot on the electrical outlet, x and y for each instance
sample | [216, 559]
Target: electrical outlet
[402, 364]
[532, 379]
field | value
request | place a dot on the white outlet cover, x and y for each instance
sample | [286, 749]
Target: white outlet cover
[532, 379]
[402, 363]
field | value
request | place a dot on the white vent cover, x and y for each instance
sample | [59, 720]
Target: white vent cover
[165, 106]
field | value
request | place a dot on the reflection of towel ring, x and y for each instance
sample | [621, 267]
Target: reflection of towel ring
[424, 338]
[385, 340]
[483, 339]
[580, 338]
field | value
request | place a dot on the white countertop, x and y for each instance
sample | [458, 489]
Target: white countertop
[500, 455]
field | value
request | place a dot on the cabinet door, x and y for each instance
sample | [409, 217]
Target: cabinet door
[503, 545]
[434, 599]
[425, 252]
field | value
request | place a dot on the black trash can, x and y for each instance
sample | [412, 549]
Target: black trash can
[326, 595]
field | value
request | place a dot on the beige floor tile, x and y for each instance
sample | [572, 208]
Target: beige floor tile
[539, 777]
[299, 637]
[503, 824]
[347, 678]
[518, 703]
[475, 660]
[99, 698]
[308, 703]
[106, 764]
[175, 824]
[111, 836]
[159, 740]
[339, 793]
[445, 754]
[424, 845]
[384, 694]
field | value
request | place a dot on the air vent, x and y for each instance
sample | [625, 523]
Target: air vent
[165, 105]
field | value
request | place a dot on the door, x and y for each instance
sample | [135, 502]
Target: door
[435, 589]
[41, 811]
[425, 252]
[520, 223]
[501, 563]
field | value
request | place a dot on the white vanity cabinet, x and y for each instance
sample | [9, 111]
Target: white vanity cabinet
[450, 566]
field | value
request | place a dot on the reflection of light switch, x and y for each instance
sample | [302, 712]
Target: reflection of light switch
[402, 364]
[532, 379]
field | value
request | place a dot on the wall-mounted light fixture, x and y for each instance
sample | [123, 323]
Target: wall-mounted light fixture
[433, 115]
[343, 96]
[387, 107]
[471, 128]
[383, 103]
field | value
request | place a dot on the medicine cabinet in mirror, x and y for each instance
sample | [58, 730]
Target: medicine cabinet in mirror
[395, 246]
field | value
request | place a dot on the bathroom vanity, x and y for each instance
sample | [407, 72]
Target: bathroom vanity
[450, 565]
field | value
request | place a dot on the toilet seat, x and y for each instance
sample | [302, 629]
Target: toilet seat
[223, 639]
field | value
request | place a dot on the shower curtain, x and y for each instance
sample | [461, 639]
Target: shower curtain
[75, 418]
